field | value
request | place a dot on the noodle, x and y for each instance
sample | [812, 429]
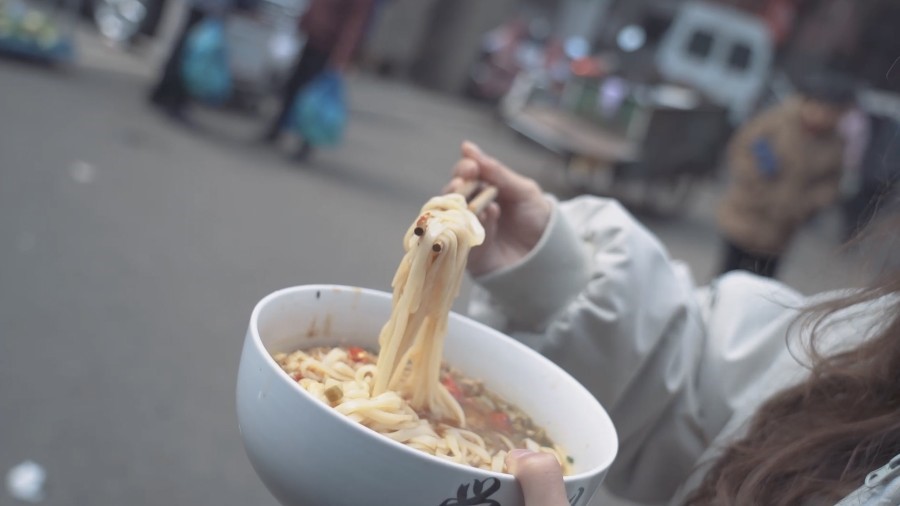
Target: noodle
[424, 288]
[389, 396]
[393, 416]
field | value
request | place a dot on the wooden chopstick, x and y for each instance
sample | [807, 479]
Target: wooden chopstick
[468, 188]
[479, 201]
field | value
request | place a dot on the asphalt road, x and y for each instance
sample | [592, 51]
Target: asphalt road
[132, 251]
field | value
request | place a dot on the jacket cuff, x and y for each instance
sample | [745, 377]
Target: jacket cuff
[553, 273]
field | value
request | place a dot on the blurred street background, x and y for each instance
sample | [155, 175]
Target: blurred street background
[134, 244]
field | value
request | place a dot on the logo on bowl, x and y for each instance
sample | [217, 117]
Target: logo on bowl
[482, 490]
[576, 496]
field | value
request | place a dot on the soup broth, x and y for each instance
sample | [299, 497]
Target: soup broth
[343, 377]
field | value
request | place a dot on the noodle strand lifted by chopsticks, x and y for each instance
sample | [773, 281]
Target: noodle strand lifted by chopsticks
[425, 285]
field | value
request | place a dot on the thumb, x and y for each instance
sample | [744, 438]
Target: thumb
[482, 259]
[489, 220]
[540, 476]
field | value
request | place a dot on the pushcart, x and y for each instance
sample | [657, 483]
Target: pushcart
[646, 144]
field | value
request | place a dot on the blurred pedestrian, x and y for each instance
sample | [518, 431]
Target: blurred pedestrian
[170, 93]
[786, 165]
[333, 29]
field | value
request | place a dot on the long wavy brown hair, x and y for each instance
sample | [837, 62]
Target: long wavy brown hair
[815, 442]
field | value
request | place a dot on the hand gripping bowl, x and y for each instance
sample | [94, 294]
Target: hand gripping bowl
[310, 455]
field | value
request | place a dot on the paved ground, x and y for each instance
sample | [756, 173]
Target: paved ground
[132, 251]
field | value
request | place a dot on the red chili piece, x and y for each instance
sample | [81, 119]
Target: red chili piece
[452, 387]
[500, 421]
[357, 354]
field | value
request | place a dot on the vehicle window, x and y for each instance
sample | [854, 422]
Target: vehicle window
[739, 57]
[700, 44]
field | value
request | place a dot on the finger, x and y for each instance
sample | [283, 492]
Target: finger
[454, 184]
[540, 476]
[509, 183]
[466, 168]
[480, 257]
[489, 220]
[470, 149]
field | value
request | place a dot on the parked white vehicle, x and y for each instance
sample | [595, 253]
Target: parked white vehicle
[723, 52]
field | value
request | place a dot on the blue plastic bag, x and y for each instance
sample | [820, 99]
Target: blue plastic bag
[319, 111]
[204, 64]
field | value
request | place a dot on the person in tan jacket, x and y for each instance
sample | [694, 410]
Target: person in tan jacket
[785, 166]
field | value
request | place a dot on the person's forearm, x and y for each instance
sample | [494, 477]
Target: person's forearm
[630, 330]
[533, 289]
[593, 256]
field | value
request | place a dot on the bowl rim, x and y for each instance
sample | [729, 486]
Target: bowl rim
[570, 381]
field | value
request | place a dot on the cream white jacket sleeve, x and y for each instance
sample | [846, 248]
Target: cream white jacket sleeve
[600, 296]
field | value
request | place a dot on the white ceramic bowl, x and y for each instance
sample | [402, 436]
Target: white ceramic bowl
[309, 455]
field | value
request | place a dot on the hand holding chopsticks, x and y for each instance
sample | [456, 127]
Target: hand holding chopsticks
[512, 208]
